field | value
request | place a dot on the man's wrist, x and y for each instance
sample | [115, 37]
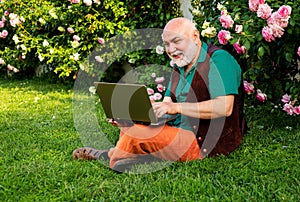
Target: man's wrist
[178, 108]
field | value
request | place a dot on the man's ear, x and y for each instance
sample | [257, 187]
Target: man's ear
[196, 35]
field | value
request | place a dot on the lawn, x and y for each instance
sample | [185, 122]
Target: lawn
[38, 135]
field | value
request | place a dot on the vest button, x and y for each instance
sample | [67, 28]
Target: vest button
[204, 150]
[200, 138]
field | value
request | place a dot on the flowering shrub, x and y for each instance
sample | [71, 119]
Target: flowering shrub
[263, 35]
[61, 34]
[250, 89]
[290, 106]
[156, 90]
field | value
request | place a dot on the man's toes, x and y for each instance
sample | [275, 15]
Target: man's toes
[76, 154]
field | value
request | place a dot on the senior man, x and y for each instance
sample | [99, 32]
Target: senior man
[205, 94]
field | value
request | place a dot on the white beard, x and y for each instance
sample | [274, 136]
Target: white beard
[188, 56]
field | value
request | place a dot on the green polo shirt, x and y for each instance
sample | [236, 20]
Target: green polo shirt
[224, 78]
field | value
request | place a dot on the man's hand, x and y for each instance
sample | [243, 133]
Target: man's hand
[161, 108]
[120, 123]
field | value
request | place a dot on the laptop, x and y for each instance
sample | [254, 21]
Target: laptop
[128, 102]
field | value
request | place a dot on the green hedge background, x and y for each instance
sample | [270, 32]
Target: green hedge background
[56, 37]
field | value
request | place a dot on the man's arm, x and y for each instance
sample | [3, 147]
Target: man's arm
[218, 107]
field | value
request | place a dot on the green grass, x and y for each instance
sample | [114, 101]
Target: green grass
[37, 137]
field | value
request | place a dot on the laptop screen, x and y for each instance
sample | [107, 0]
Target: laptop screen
[126, 102]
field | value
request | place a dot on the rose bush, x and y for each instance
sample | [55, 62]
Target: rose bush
[59, 35]
[263, 35]
[156, 87]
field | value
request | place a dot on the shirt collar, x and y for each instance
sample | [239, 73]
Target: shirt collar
[203, 53]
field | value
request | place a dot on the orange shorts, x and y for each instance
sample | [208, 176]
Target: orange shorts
[165, 142]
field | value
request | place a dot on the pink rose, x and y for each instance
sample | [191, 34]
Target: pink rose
[298, 51]
[288, 108]
[2, 24]
[160, 79]
[4, 34]
[238, 28]
[172, 63]
[88, 2]
[76, 38]
[286, 98]
[249, 88]
[223, 37]
[159, 50]
[2, 62]
[75, 1]
[14, 19]
[273, 18]
[297, 110]
[226, 21]
[70, 30]
[151, 97]
[261, 96]
[224, 12]
[97, 2]
[150, 91]
[284, 11]
[10, 67]
[6, 13]
[267, 33]
[160, 88]
[239, 49]
[101, 40]
[99, 59]
[264, 11]
[277, 30]
[157, 96]
[277, 19]
[15, 70]
[253, 4]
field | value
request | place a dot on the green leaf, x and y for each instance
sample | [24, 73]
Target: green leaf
[161, 16]
[292, 22]
[288, 57]
[259, 37]
[266, 76]
[261, 51]
[234, 41]
[247, 45]
[290, 31]
[267, 48]
[168, 16]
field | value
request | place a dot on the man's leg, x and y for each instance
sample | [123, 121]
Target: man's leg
[165, 142]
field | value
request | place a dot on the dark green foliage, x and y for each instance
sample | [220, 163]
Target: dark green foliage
[273, 66]
[43, 39]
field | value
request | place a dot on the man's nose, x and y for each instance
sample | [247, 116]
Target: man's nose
[172, 48]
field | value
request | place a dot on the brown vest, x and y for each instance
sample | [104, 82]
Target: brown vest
[216, 136]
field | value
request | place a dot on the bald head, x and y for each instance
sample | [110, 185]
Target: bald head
[181, 26]
[179, 23]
